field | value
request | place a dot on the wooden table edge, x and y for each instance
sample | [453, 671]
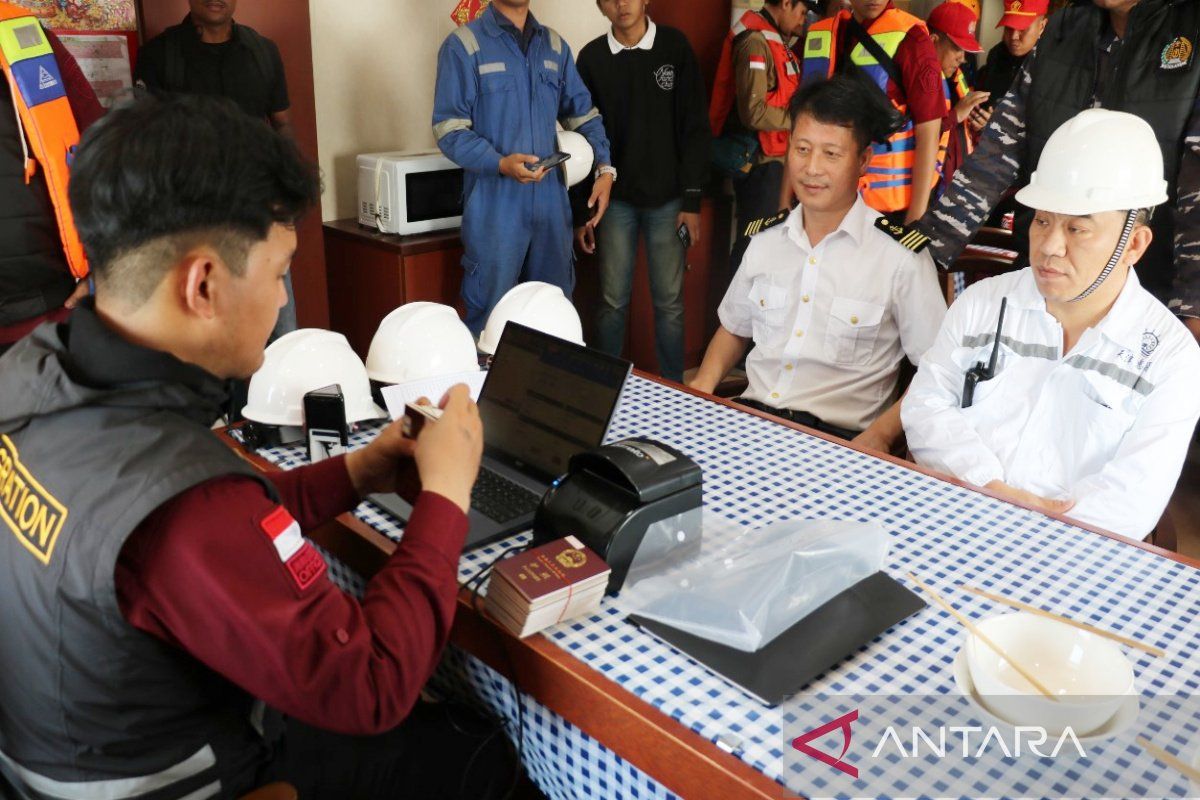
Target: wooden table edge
[584, 696]
[558, 680]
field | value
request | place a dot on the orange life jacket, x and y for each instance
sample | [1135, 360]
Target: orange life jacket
[44, 113]
[787, 80]
[887, 186]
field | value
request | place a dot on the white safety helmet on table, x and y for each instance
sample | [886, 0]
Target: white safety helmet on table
[421, 340]
[537, 305]
[297, 363]
[579, 166]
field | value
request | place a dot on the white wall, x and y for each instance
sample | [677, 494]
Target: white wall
[374, 63]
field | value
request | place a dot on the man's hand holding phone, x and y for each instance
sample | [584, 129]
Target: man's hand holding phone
[516, 167]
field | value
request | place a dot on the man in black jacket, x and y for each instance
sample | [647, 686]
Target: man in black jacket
[646, 82]
[1024, 21]
[209, 53]
[1123, 55]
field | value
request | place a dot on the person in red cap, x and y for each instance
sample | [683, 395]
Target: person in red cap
[952, 29]
[1137, 57]
[1023, 23]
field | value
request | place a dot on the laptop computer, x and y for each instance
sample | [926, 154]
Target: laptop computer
[544, 400]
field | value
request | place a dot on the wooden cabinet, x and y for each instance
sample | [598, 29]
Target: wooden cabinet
[370, 274]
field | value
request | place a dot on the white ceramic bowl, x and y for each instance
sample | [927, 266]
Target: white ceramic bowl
[1089, 673]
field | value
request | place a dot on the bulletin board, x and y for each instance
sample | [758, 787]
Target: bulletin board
[102, 35]
[84, 15]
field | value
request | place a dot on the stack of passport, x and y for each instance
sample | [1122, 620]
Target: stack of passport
[549, 584]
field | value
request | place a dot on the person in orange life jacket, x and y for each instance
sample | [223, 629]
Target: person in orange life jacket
[37, 279]
[178, 579]
[903, 173]
[765, 74]
[952, 29]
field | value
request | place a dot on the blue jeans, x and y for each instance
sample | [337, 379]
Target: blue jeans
[617, 242]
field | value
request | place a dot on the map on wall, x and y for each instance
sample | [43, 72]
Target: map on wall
[84, 15]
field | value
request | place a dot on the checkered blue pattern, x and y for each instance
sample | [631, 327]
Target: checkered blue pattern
[757, 471]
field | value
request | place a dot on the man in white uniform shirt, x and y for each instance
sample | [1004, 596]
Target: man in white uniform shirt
[1095, 391]
[828, 294]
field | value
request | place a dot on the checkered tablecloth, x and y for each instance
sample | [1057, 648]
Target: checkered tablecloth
[756, 471]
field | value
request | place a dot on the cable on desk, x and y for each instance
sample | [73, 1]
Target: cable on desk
[475, 584]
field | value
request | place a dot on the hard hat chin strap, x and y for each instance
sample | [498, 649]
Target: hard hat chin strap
[1130, 220]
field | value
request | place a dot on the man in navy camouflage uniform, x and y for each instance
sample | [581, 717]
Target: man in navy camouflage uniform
[1137, 57]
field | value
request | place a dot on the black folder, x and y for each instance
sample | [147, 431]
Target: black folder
[810, 647]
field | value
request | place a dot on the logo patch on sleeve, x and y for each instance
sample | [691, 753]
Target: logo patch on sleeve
[299, 556]
[33, 515]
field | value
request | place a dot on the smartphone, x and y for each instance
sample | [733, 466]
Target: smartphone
[415, 417]
[325, 427]
[684, 235]
[549, 161]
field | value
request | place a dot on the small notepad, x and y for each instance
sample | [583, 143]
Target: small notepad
[396, 396]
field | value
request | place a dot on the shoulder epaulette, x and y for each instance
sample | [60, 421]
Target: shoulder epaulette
[910, 238]
[760, 225]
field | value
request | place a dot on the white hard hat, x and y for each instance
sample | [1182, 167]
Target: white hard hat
[1099, 160]
[303, 360]
[541, 306]
[421, 340]
[579, 165]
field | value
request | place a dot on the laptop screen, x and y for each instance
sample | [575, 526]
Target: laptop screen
[546, 399]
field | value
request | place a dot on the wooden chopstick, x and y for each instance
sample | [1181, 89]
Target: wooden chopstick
[1168, 759]
[1017, 604]
[970, 626]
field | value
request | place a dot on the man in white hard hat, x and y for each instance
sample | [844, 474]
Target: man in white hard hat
[1087, 403]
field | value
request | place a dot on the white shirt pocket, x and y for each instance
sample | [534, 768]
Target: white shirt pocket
[768, 311]
[1103, 416]
[852, 330]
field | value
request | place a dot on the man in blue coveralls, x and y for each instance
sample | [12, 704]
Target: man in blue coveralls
[502, 82]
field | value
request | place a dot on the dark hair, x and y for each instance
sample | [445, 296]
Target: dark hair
[852, 101]
[159, 173]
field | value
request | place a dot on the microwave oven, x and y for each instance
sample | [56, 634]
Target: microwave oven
[409, 192]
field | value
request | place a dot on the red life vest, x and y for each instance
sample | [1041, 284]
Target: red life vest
[787, 80]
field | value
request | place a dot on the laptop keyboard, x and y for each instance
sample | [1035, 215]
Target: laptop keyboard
[500, 499]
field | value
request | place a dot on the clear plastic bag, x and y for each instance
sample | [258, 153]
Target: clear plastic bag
[742, 588]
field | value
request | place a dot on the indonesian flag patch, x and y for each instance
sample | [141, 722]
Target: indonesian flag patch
[758, 62]
[302, 560]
